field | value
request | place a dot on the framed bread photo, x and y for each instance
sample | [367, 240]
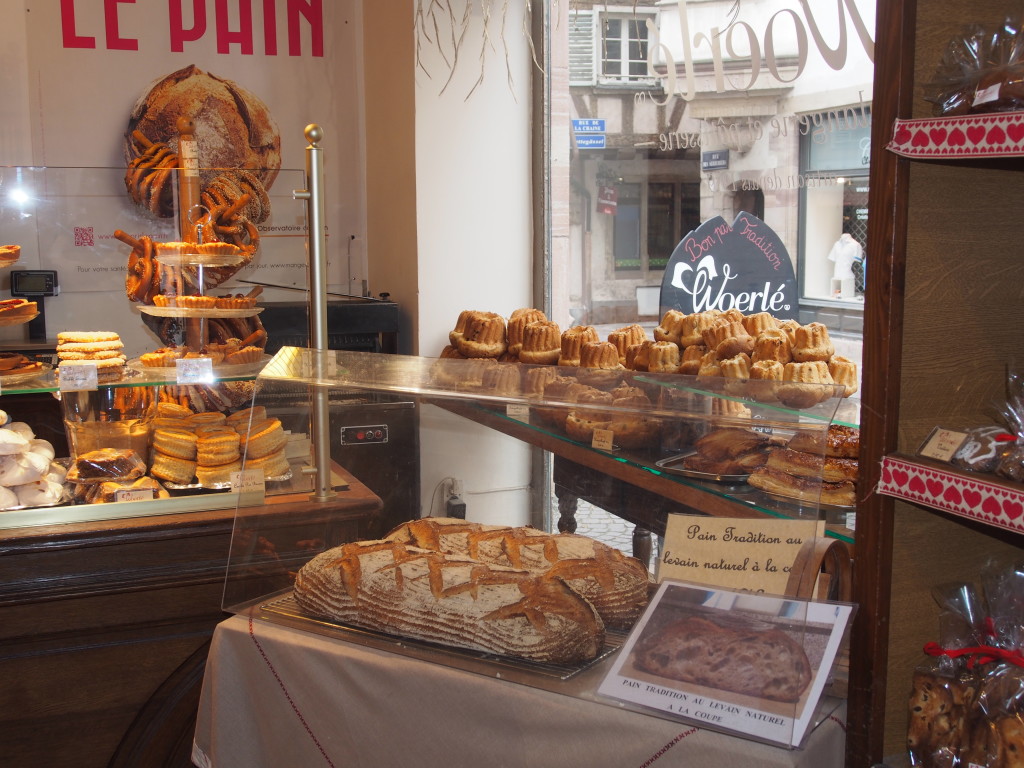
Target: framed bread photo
[752, 664]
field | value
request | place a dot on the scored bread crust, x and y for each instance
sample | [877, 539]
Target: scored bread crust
[426, 595]
[615, 584]
[765, 663]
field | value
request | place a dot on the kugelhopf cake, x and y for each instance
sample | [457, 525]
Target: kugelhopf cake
[693, 327]
[572, 343]
[728, 338]
[517, 323]
[663, 357]
[689, 359]
[735, 371]
[772, 344]
[484, 336]
[542, 343]
[759, 322]
[764, 663]
[624, 338]
[812, 342]
[671, 326]
[428, 595]
[639, 355]
[844, 371]
[802, 384]
[599, 365]
[503, 379]
[615, 584]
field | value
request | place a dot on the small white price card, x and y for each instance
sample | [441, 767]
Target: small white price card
[135, 494]
[519, 412]
[942, 444]
[194, 370]
[248, 481]
[81, 377]
[603, 440]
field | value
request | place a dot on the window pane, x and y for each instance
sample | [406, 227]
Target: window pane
[662, 234]
[626, 228]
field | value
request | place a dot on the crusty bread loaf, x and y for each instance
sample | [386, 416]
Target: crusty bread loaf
[765, 663]
[615, 584]
[392, 587]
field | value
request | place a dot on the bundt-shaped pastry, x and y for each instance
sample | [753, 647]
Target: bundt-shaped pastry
[572, 342]
[670, 327]
[802, 384]
[623, 338]
[484, 336]
[812, 343]
[772, 344]
[689, 361]
[639, 355]
[599, 365]
[693, 327]
[535, 379]
[759, 321]
[451, 353]
[709, 365]
[735, 368]
[763, 377]
[460, 326]
[789, 327]
[728, 338]
[542, 343]
[663, 357]
[582, 421]
[844, 371]
[517, 323]
[504, 379]
[723, 408]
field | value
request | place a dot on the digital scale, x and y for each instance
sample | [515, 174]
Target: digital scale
[35, 285]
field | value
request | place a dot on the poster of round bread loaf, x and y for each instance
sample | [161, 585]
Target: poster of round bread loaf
[249, 76]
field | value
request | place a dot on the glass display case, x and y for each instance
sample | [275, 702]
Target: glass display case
[642, 436]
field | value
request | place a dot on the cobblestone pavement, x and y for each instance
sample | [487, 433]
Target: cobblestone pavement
[608, 529]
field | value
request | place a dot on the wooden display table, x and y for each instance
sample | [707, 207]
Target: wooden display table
[105, 626]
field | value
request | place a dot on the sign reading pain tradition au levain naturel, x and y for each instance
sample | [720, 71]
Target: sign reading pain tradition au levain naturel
[742, 265]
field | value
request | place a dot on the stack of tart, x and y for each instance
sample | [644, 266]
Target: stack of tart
[814, 466]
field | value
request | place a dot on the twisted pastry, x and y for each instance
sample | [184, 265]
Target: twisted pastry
[148, 175]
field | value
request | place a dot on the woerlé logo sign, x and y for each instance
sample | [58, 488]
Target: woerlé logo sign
[742, 265]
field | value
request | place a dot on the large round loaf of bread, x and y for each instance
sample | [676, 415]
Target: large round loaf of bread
[427, 595]
[615, 584]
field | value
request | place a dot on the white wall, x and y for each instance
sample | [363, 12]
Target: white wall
[474, 231]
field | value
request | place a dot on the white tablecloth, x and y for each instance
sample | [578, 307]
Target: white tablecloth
[279, 697]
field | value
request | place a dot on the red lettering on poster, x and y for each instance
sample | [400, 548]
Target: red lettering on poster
[114, 40]
[180, 35]
[225, 37]
[270, 27]
[67, 25]
[313, 12]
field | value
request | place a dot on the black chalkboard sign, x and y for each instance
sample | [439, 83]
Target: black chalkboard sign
[722, 266]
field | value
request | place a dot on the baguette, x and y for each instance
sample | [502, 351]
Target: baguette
[416, 593]
[767, 663]
[615, 584]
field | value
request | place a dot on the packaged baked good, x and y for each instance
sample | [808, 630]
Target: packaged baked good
[106, 464]
[982, 70]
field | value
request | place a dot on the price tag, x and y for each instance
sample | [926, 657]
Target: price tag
[603, 440]
[81, 377]
[942, 444]
[194, 370]
[248, 481]
[135, 494]
[519, 412]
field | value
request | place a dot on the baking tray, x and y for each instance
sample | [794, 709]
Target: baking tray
[284, 609]
[793, 501]
[212, 312]
[673, 465]
[13, 379]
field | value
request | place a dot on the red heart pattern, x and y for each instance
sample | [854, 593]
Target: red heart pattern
[995, 135]
[995, 503]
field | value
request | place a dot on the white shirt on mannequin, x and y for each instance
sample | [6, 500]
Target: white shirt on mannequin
[844, 253]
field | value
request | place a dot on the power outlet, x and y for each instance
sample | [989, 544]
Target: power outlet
[455, 507]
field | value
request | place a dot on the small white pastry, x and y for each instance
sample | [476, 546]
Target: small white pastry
[23, 468]
[42, 447]
[11, 442]
[8, 498]
[57, 472]
[22, 429]
[39, 493]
